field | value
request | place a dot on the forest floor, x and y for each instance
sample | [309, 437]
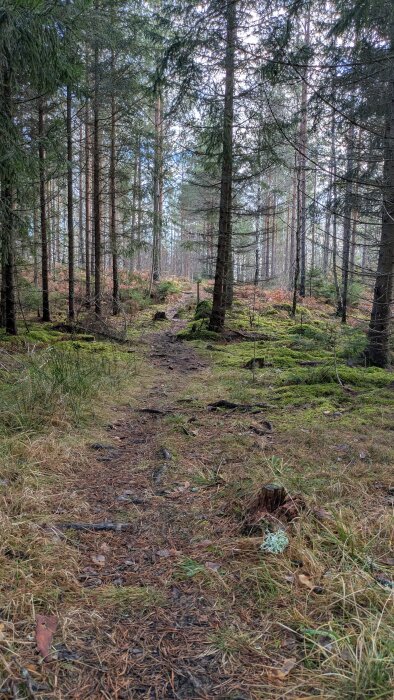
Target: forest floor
[178, 600]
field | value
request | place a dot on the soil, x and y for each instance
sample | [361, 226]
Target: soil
[162, 652]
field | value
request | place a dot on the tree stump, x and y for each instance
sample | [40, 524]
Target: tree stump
[160, 316]
[269, 498]
[255, 363]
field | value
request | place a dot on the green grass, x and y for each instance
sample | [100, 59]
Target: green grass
[57, 382]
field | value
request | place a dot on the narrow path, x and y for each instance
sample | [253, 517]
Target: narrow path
[146, 634]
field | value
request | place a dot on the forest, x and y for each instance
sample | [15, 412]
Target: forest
[196, 347]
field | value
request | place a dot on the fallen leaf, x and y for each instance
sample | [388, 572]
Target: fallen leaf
[45, 629]
[279, 674]
[306, 581]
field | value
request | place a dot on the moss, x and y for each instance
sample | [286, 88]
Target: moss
[310, 331]
[357, 376]
[195, 331]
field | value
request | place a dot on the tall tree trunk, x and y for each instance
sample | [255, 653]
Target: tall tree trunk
[157, 188]
[267, 240]
[257, 236]
[133, 236]
[112, 201]
[347, 227]
[378, 350]
[313, 236]
[218, 314]
[139, 209]
[297, 244]
[293, 224]
[87, 208]
[302, 163]
[8, 224]
[43, 214]
[96, 185]
[70, 208]
[81, 244]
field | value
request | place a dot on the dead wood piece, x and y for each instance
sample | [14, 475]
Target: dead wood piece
[262, 428]
[247, 336]
[229, 405]
[96, 527]
[153, 411]
[160, 316]
[269, 499]
[255, 363]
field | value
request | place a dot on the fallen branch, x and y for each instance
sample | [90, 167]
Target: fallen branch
[95, 527]
[230, 406]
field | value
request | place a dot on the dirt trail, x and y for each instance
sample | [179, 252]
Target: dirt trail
[140, 649]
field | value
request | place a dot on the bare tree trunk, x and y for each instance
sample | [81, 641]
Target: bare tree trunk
[293, 225]
[378, 351]
[218, 314]
[347, 226]
[112, 202]
[139, 209]
[157, 189]
[81, 246]
[297, 245]
[133, 236]
[8, 224]
[313, 235]
[302, 163]
[257, 236]
[70, 208]
[43, 213]
[87, 208]
[96, 186]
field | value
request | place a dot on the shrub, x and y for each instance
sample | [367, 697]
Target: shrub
[164, 289]
[203, 310]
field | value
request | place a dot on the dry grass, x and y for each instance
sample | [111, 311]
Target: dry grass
[184, 606]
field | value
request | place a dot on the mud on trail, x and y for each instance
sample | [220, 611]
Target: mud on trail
[147, 627]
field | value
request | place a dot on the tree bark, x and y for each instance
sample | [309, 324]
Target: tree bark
[218, 314]
[157, 189]
[302, 164]
[112, 202]
[378, 350]
[43, 214]
[70, 208]
[347, 227]
[96, 186]
[87, 209]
